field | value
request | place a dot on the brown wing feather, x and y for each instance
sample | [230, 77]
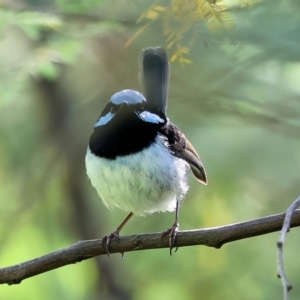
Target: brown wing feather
[182, 148]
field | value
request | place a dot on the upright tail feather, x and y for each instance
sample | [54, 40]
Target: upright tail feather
[155, 77]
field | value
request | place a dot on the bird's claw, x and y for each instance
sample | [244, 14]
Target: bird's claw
[108, 238]
[171, 233]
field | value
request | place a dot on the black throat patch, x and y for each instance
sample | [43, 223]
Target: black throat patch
[124, 134]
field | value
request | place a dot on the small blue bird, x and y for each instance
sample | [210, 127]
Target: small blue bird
[137, 160]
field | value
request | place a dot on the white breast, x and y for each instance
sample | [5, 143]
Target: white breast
[144, 182]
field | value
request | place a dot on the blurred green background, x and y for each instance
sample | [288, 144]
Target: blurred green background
[234, 92]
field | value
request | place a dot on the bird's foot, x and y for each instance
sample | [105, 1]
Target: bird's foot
[107, 239]
[171, 233]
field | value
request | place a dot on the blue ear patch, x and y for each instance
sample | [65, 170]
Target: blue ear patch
[128, 96]
[104, 120]
[149, 117]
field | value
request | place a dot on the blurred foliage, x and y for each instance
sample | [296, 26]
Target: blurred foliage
[238, 101]
[180, 23]
[77, 6]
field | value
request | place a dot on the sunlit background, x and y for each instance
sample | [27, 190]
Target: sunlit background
[234, 92]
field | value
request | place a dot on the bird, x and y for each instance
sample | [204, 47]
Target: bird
[136, 159]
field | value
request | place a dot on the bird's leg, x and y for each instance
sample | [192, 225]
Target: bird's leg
[107, 239]
[172, 232]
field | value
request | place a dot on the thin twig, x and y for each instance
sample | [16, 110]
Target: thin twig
[285, 229]
[212, 237]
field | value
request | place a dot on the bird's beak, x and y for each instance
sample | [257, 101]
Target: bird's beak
[124, 104]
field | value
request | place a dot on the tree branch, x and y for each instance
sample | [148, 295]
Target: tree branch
[212, 237]
[285, 229]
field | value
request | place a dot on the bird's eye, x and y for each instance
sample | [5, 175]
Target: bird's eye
[114, 108]
[139, 107]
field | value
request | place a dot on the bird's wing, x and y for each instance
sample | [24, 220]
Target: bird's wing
[182, 148]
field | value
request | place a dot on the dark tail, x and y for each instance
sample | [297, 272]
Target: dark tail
[155, 77]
